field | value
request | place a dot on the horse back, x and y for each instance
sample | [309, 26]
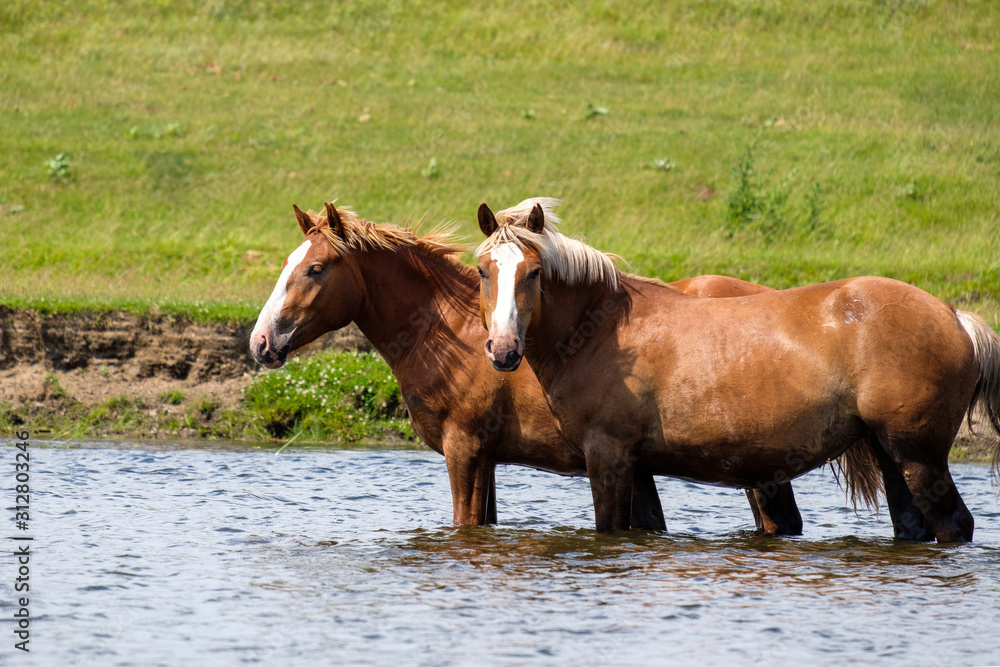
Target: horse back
[851, 324]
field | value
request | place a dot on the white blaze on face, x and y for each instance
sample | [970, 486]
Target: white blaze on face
[268, 317]
[507, 257]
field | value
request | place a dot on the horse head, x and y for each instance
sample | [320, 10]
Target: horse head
[511, 274]
[319, 290]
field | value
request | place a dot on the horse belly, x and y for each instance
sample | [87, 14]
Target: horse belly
[734, 445]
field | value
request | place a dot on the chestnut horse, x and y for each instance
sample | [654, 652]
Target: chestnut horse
[419, 306]
[742, 391]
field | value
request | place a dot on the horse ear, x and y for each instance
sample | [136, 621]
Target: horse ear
[306, 223]
[333, 219]
[487, 221]
[536, 219]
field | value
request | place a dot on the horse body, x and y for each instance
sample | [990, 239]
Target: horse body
[737, 391]
[741, 391]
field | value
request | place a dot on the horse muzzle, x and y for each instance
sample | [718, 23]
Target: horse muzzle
[269, 352]
[505, 352]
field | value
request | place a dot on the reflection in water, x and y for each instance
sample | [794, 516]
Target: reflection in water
[317, 557]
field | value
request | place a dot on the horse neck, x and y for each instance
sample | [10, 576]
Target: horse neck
[410, 293]
[572, 319]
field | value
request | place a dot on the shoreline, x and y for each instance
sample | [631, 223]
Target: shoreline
[120, 376]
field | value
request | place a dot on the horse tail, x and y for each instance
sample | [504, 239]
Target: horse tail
[860, 470]
[985, 403]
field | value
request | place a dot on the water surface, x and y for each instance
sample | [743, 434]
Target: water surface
[229, 557]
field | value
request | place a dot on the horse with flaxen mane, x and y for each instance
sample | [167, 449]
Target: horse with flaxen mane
[743, 391]
[419, 306]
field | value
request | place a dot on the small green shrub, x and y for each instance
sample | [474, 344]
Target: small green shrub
[58, 391]
[59, 166]
[662, 164]
[770, 211]
[594, 111]
[173, 397]
[431, 170]
[340, 396]
[207, 406]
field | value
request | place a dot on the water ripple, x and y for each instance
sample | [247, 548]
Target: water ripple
[337, 557]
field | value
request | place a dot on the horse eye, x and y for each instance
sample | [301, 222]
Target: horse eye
[481, 274]
[534, 274]
[315, 270]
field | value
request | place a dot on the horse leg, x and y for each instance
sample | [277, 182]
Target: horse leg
[908, 522]
[647, 513]
[612, 476]
[755, 508]
[934, 493]
[491, 503]
[472, 486]
[774, 509]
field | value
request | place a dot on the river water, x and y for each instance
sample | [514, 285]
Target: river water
[233, 556]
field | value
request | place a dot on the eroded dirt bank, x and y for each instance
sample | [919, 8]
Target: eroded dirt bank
[57, 368]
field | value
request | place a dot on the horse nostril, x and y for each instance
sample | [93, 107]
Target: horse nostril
[263, 346]
[489, 346]
[512, 358]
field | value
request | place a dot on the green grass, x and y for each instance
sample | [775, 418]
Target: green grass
[173, 397]
[236, 312]
[152, 150]
[340, 396]
[54, 387]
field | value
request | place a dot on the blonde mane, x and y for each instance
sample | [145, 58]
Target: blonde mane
[360, 234]
[570, 260]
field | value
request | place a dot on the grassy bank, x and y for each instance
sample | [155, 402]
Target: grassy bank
[152, 151]
[343, 398]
